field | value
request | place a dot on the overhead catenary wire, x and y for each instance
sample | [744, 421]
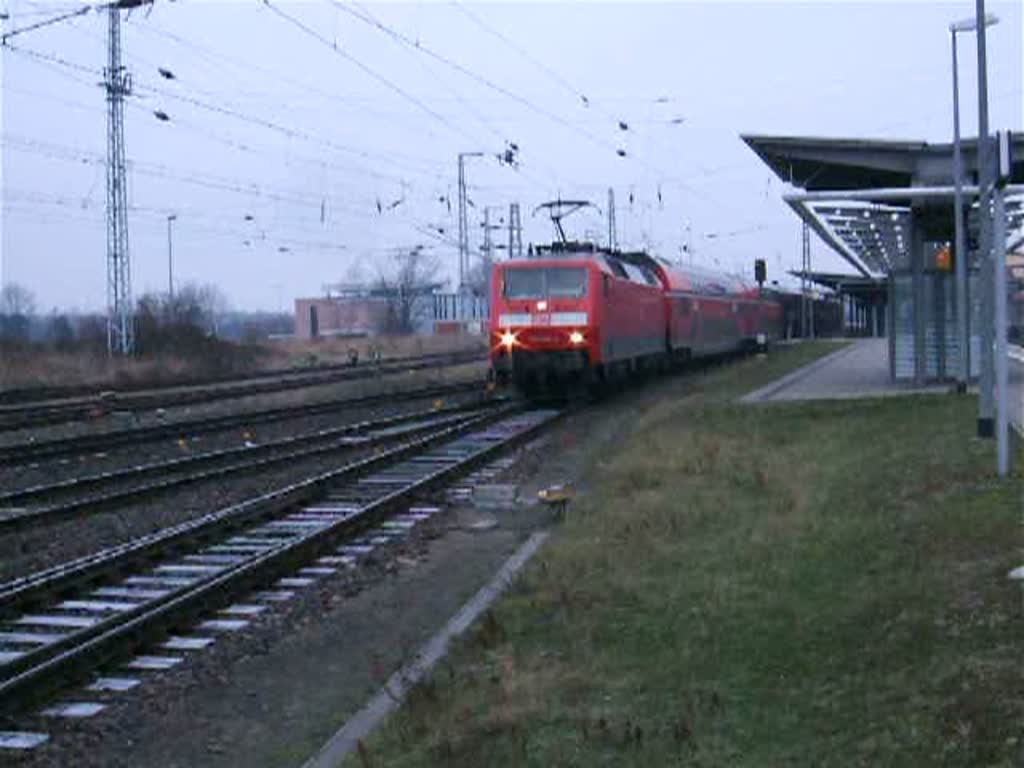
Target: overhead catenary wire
[241, 187]
[45, 23]
[296, 133]
[538, 109]
[54, 61]
[60, 66]
[218, 58]
[41, 198]
[306, 29]
[249, 147]
[398, 159]
[419, 46]
[584, 99]
[416, 47]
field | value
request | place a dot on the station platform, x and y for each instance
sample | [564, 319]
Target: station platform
[1016, 387]
[858, 369]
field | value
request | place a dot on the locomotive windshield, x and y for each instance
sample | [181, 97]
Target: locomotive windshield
[545, 282]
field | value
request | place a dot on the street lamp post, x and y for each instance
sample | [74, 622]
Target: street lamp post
[960, 239]
[463, 225]
[986, 404]
[170, 257]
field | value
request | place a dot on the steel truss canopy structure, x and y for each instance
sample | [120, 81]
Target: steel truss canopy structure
[886, 207]
[858, 194]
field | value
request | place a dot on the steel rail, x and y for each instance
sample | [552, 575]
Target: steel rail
[338, 440]
[38, 674]
[21, 453]
[18, 593]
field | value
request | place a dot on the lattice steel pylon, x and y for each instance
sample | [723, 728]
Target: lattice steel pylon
[613, 240]
[120, 326]
[515, 232]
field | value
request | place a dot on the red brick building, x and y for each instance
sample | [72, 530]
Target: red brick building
[344, 311]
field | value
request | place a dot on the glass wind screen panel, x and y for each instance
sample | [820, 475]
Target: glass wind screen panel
[903, 327]
[566, 281]
[533, 283]
[524, 283]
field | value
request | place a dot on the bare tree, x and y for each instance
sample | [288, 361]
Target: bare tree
[406, 285]
[59, 331]
[17, 306]
[199, 306]
[16, 299]
[213, 304]
[480, 275]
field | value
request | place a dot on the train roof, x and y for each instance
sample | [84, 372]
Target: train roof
[674, 277]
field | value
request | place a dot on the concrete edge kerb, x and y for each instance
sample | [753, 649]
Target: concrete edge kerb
[391, 695]
[759, 395]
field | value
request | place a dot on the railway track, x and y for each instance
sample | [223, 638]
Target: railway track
[61, 626]
[68, 499]
[35, 414]
[17, 454]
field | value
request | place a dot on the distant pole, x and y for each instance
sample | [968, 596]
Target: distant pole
[463, 222]
[488, 248]
[612, 235]
[1001, 351]
[960, 244]
[986, 406]
[170, 258]
[805, 283]
[463, 234]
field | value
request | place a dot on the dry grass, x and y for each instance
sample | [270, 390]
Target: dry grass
[817, 584]
[294, 352]
[48, 368]
[40, 367]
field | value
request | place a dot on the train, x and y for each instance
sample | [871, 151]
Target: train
[576, 316]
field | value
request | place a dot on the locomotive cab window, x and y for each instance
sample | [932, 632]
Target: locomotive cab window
[545, 282]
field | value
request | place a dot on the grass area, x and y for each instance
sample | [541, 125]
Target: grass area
[299, 352]
[38, 366]
[795, 584]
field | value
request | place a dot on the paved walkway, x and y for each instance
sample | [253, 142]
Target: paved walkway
[1017, 387]
[860, 369]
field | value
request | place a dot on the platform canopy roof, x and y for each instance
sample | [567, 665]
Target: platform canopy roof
[851, 285]
[857, 194]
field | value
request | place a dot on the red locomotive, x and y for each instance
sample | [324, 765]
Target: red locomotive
[578, 314]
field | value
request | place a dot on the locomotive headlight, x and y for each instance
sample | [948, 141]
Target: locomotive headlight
[576, 338]
[508, 339]
[542, 306]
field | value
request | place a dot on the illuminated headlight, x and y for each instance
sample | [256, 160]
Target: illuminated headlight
[542, 306]
[576, 337]
[508, 339]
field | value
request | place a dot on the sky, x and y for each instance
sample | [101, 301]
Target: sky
[308, 142]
